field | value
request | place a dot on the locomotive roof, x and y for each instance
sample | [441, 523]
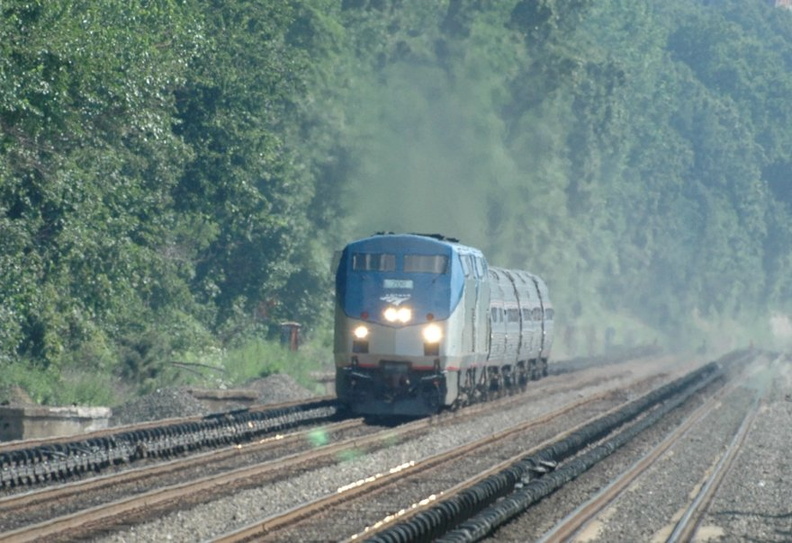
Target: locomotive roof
[451, 243]
[439, 237]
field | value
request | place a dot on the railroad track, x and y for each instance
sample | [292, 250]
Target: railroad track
[30, 463]
[431, 516]
[591, 519]
[484, 505]
[22, 509]
[586, 513]
[106, 433]
[130, 510]
[671, 484]
[313, 520]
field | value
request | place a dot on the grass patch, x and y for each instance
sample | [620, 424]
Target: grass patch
[212, 367]
[20, 382]
[259, 358]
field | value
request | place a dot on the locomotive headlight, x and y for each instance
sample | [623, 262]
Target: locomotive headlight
[404, 314]
[361, 332]
[398, 314]
[432, 333]
[391, 314]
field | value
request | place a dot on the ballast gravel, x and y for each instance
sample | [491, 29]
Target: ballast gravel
[206, 521]
[179, 402]
[160, 404]
[755, 502]
[752, 504]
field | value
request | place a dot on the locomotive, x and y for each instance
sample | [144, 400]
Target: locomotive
[423, 323]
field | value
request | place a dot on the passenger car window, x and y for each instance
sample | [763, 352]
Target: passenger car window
[373, 262]
[465, 259]
[480, 271]
[425, 263]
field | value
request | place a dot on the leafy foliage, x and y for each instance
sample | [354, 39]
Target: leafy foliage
[174, 175]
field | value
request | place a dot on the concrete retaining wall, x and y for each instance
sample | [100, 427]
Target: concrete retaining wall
[41, 422]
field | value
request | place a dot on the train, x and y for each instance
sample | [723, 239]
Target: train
[423, 323]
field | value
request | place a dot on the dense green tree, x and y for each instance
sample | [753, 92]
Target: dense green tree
[176, 174]
[88, 159]
[246, 184]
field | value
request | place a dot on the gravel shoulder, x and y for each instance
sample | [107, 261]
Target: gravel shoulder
[755, 502]
[179, 402]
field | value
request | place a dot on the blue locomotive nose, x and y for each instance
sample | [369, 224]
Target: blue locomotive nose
[403, 286]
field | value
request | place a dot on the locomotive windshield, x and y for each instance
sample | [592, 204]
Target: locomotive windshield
[386, 262]
[373, 262]
[425, 263]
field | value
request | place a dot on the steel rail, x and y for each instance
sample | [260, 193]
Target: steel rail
[124, 509]
[273, 523]
[479, 510]
[43, 497]
[8, 446]
[686, 528]
[577, 520]
[162, 499]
